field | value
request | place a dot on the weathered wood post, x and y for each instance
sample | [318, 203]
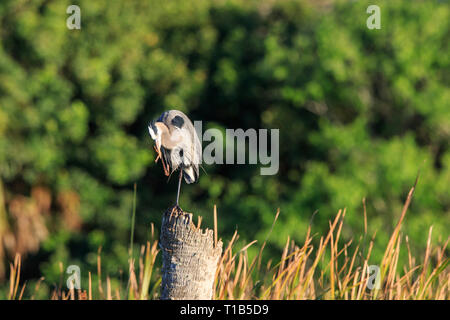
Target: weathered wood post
[190, 258]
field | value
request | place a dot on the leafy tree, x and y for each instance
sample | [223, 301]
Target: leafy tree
[359, 111]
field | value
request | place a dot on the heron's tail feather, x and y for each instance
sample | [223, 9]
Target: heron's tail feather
[189, 175]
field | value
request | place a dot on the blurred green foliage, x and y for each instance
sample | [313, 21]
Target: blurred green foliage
[359, 111]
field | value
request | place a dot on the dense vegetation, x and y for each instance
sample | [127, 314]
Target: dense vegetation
[359, 111]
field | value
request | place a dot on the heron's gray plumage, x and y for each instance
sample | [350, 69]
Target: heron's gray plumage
[187, 154]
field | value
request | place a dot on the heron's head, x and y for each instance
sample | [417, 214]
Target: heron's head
[155, 130]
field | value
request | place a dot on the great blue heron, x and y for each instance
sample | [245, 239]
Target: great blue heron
[177, 144]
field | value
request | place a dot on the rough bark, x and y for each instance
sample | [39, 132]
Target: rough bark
[189, 258]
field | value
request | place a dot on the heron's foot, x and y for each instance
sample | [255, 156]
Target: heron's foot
[176, 210]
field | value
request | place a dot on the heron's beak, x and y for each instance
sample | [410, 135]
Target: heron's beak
[158, 151]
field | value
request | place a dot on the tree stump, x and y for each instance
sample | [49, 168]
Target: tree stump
[189, 256]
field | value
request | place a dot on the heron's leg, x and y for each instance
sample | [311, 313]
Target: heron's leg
[179, 184]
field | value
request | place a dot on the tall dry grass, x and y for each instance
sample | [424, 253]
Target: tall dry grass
[331, 270]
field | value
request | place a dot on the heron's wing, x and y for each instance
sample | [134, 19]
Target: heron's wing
[192, 145]
[175, 119]
[197, 153]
